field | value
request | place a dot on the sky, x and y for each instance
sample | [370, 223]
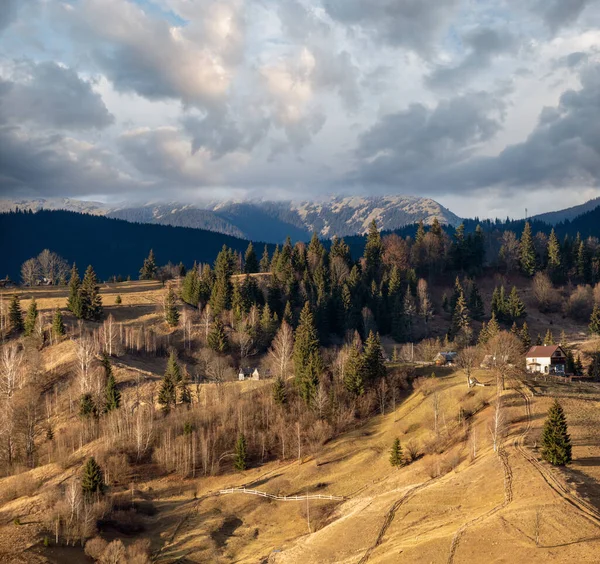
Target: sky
[488, 106]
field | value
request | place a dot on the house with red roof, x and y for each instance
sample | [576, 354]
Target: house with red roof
[547, 359]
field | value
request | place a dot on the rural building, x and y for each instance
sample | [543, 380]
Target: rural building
[549, 359]
[445, 358]
[249, 373]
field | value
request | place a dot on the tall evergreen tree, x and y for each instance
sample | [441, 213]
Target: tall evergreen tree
[556, 442]
[217, 337]
[525, 337]
[527, 251]
[461, 320]
[74, 300]
[15, 314]
[87, 407]
[149, 268]
[373, 252]
[167, 396]
[31, 318]
[515, 306]
[354, 371]
[396, 458]
[554, 258]
[373, 360]
[58, 325]
[190, 287]
[265, 261]
[170, 308]
[475, 304]
[185, 395]
[279, 391]
[250, 260]
[241, 453]
[549, 338]
[307, 356]
[89, 294]
[92, 479]
[595, 321]
[222, 292]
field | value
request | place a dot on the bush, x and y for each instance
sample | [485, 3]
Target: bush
[546, 296]
[580, 303]
[94, 548]
[412, 450]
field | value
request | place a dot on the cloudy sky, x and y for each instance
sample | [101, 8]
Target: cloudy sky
[488, 106]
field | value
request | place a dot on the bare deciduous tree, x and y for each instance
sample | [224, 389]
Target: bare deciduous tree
[281, 350]
[497, 426]
[86, 353]
[468, 360]
[30, 272]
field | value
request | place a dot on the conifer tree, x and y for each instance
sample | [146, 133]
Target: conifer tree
[87, 407]
[396, 458]
[460, 319]
[527, 251]
[58, 325]
[525, 337]
[409, 310]
[222, 291]
[92, 479]
[556, 442]
[241, 455]
[217, 337]
[185, 396]
[250, 260]
[170, 306]
[279, 391]
[31, 318]
[89, 295]
[595, 321]
[354, 370]
[594, 367]
[458, 290]
[476, 307]
[515, 306]
[554, 259]
[74, 300]
[118, 300]
[15, 314]
[265, 261]
[578, 366]
[112, 394]
[373, 252]
[492, 327]
[483, 335]
[373, 360]
[549, 338]
[190, 287]
[287, 314]
[167, 394]
[307, 356]
[149, 268]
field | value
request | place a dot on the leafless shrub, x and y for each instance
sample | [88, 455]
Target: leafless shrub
[580, 302]
[411, 448]
[546, 296]
[94, 548]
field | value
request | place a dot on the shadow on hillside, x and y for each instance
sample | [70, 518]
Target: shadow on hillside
[226, 530]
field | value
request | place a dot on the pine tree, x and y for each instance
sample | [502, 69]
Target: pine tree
[15, 314]
[527, 251]
[149, 269]
[492, 327]
[217, 337]
[250, 260]
[31, 318]
[74, 300]
[89, 295]
[87, 407]
[554, 259]
[170, 305]
[594, 367]
[549, 338]
[190, 287]
[556, 442]
[525, 337]
[58, 325]
[354, 371]
[222, 291]
[483, 335]
[595, 321]
[265, 261]
[118, 300]
[578, 366]
[515, 306]
[373, 252]
[396, 458]
[373, 359]
[279, 391]
[460, 319]
[167, 396]
[92, 479]
[185, 396]
[307, 356]
[241, 455]
[287, 314]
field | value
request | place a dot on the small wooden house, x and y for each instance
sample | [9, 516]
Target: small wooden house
[248, 373]
[550, 359]
[445, 358]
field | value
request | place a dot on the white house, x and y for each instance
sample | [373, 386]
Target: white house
[550, 359]
[247, 373]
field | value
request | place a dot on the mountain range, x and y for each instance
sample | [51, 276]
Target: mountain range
[268, 221]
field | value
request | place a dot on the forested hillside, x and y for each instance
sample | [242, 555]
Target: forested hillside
[114, 247]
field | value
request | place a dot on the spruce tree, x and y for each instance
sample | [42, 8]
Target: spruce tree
[279, 391]
[89, 295]
[250, 260]
[217, 337]
[92, 479]
[87, 407]
[556, 442]
[15, 314]
[594, 367]
[58, 325]
[527, 251]
[373, 360]
[354, 371]
[492, 327]
[549, 338]
[475, 304]
[185, 396]
[167, 394]
[222, 291]
[74, 300]
[396, 458]
[149, 268]
[595, 321]
[373, 252]
[515, 306]
[170, 305]
[31, 318]
[288, 316]
[307, 356]
[190, 287]
[554, 258]
[118, 300]
[525, 337]
[460, 319]
[241, 455]
[265, 261]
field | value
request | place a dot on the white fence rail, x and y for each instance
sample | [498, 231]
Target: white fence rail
[280, 497]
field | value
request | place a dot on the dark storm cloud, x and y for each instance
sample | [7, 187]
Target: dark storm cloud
[412, 146]
[414, 24]
[483, 45]
[52, 96]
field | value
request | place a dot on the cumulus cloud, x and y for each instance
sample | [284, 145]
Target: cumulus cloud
[52, 96]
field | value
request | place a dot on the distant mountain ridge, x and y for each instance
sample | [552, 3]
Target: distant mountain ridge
[568, 213]
[270, 221]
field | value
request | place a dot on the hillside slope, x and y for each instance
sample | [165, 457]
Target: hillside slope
[569, 213]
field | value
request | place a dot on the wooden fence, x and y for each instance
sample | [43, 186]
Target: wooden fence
[281, 497]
